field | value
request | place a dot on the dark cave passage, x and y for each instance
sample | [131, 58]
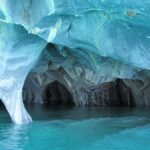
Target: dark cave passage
[55, 99]
[1, 105]
[56, 94]
[4, 113]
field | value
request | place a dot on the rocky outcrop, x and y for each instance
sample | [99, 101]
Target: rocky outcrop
[115, 93]
[140, 91]
[105, 94]
[131, 93]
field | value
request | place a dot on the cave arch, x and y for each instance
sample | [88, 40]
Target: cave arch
[56, 94]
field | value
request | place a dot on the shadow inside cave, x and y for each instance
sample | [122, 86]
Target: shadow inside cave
[4, 115]
[56, 98]
[56, 94]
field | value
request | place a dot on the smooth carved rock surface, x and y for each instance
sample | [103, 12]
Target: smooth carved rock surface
[80, 43]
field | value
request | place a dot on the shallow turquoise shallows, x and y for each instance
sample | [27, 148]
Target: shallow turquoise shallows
[94, 128]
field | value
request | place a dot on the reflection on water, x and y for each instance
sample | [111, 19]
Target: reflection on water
[78, 129]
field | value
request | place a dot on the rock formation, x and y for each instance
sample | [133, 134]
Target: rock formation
[80, 44]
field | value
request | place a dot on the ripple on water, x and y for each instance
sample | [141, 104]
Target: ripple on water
[124, 132]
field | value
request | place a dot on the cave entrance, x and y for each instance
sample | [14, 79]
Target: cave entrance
[56, 94]
[4, 113]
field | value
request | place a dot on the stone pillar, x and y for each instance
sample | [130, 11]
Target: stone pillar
[12, 99]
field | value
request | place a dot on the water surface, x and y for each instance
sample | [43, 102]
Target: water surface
[96, 128]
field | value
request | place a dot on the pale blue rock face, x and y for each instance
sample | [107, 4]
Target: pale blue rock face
[93, 41]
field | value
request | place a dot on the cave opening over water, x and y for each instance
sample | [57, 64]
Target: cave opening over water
[56, 94]
[4, 113]
[56, 100]
[50, 99]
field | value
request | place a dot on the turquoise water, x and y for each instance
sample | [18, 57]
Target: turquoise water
[96, 128]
